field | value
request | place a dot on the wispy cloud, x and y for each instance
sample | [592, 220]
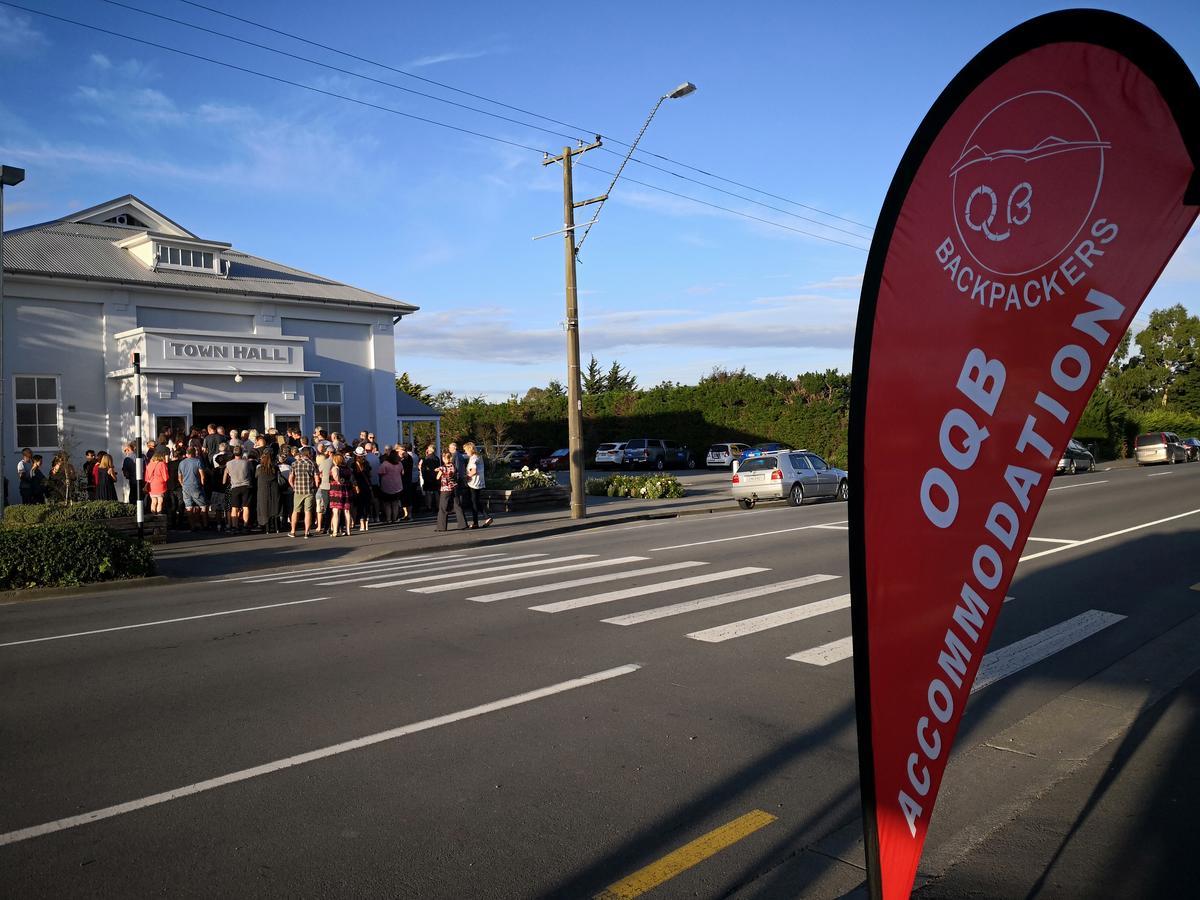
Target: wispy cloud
[451, 56]
[838, 283]
[497, 340]
[18, 36]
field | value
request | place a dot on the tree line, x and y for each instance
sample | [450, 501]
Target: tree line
[1151, 383]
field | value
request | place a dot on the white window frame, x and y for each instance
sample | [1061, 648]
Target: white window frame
[341, 405]
[160, 263]
[18, 446]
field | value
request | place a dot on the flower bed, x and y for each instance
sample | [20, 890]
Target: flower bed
[528, 478]
[643, 487]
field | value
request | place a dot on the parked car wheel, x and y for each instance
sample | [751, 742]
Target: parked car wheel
[843, 492]
[796, 497]
[1071, 467]
[691, 462]
[660, 464]
[746, 504]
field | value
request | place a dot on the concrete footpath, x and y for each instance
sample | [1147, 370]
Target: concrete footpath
[210, 555]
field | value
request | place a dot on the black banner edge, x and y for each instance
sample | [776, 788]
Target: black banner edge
[1175, 82]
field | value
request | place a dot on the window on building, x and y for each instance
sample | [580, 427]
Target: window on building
[327, 406]
[37, 411]
[170, 426]
[283, 425]
[177, 256]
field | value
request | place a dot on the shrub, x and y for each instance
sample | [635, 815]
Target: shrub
[531, 478]
[644, 487]
[56, 513]
[69, 554]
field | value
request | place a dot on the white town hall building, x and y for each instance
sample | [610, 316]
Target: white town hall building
[224, 337]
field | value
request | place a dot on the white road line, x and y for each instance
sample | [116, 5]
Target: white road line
[1053, 540]
[535, 573]
[834, 527]
[226, 612]
[1033, 649]
[443, 576]
[743, 537]
[826, 654]
[999, 663]
[453, 559]
[1064, 487]
[610, 596]
[580, 582]
[1111, 534]
[300, 759]
[687, 606]
[1156, 474]
[428, 567]
[289, 573]
[771, 620]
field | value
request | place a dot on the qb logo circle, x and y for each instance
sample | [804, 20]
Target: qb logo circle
[1023, 190]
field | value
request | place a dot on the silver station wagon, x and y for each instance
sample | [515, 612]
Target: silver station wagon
[792, 475]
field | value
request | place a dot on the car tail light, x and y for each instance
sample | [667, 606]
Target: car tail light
[777, 475]
[736, 480]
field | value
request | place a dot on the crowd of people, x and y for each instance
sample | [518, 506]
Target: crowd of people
[241, 481]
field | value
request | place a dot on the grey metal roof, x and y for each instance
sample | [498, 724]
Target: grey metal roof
[408, 405]
[82, 250]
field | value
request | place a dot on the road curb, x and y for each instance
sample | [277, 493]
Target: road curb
[27, 595]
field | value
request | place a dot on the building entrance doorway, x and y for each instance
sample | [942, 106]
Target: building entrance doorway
[242, 416]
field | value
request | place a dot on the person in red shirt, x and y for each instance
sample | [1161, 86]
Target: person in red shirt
[447, 474]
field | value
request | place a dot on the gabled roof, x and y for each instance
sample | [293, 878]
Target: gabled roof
[79, 247]
[408, 405]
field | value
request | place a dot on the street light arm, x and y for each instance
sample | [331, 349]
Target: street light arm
[682, 91]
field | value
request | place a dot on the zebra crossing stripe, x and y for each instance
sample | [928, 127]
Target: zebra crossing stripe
[610, 596]
[536, 573]
[384, 568]
[771, 620]
[1024, 653]
[687, 606]
[1000, 663]
[826, 654]
[445, 575]
[422, 568]
[289, 573]
[580, 582]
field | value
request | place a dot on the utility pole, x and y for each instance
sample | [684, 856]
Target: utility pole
[10, 176]
[138, 486]
[574, 386]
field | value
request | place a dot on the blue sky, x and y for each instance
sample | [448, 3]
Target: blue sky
[813, 102]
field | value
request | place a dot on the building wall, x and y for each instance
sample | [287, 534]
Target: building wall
[64, 328]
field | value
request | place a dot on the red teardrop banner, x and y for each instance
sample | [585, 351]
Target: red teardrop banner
[1033, 211]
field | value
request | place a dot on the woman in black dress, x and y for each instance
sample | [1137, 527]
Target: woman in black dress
[361, 500]
[106, 478]
[267, 487]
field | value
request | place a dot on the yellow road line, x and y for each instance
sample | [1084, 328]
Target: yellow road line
[685, 857]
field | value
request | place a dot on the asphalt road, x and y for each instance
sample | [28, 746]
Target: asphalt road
[177, 756]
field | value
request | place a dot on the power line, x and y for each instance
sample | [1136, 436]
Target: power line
[475, 109]
[397, 112]
[536, 115]
[725, 208]
[275, 78]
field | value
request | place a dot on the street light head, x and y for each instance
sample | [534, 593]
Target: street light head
[682, 91]
[11, 176]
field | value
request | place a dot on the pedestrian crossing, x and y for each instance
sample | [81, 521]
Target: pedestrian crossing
[567, 578]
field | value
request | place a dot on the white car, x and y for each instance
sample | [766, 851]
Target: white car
[725, 456]
[610, 454]
[792, 475]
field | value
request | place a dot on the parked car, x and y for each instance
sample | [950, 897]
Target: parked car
[658, 454]
[526, 456]
[612, 454]
[1159, 447]
[725, 455]
[1193, 447]
[792, 475]
[558, 461]
[760, 449]
[1076, 458]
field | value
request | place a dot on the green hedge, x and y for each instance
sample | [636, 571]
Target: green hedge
[69, 554]
[54, 513]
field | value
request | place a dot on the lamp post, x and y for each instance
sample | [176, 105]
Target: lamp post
[574, 380]
[10, 176]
